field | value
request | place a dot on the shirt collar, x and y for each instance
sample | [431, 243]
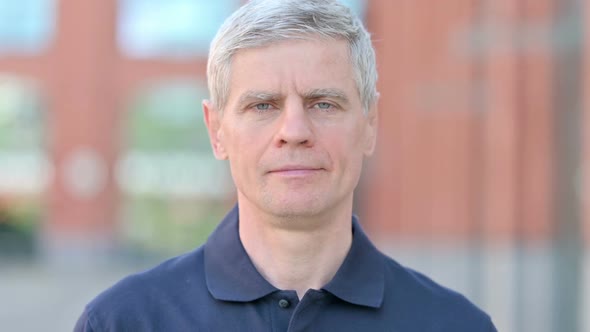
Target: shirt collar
[361, 277]
[231, 275]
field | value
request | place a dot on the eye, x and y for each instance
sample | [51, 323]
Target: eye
[323, 106]
[262, 106]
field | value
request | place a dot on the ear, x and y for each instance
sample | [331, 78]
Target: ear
[213, 121]
[371, 130]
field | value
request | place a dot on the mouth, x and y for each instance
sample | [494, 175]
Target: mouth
[296, 171]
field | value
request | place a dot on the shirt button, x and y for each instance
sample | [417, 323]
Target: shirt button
[284, 303]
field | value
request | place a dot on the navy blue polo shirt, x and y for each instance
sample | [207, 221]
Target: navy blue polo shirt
[217, 288]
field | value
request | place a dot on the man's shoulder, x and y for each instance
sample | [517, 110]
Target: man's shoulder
[170, 274]
[421, 296]
[135, 295]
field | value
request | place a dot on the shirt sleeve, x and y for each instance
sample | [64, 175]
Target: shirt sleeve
[490, 326]
[83, 323]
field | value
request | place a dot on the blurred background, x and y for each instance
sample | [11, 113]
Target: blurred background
[478, 181]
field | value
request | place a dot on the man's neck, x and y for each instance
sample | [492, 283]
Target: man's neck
[293, 258]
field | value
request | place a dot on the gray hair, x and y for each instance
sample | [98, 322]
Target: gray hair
[262, 22]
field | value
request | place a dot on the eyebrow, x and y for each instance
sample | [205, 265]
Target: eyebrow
[258, 95]
[309, 95]
[326, 93]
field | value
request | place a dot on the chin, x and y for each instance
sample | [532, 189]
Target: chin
[296, 208]
[293, 213]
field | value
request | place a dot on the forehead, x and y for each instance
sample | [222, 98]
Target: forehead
[293, 65]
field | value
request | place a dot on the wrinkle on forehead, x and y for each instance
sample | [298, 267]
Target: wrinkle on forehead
[311, 69]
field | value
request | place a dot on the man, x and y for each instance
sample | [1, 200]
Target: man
[292, 109]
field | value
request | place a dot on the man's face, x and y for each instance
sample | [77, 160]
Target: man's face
[293, 128]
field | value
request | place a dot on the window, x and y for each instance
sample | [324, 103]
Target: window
[359, 7]
[26, 26]
[25, 170]
[178, 28]
[174, 189]
[171, 28]
[24, 166]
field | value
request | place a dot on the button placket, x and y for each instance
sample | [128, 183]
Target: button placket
[281, 306]
[284, 303]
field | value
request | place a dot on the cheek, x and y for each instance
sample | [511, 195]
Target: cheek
[244, 147]
[345, 148]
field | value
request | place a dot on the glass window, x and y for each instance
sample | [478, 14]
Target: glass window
[174, 190]
[24, 165]
[26, 26]
[171, 28]
[178, 28]
[359, 7]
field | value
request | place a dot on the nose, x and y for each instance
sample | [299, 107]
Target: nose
[295, 127]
